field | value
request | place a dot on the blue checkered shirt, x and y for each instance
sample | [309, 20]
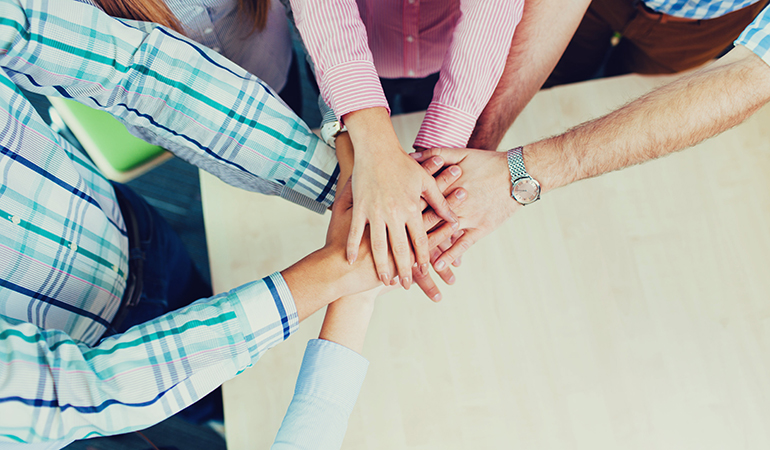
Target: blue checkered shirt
[697, 9]
[63, 242]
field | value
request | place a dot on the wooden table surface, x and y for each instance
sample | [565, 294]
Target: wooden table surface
[630, 311]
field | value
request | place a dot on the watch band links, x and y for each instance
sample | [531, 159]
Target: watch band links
[516, 164]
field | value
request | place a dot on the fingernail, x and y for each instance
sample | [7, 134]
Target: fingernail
[437, 161]
[384, 278]
[454, 170]
[458, 261]
[461, 194]
[440, 265]
[437, 298]
[451, 279]
[394, 281]
[424, 269]
[414, 265]
[416, 155]
[455, 225]
[406, 282]
[352, 258]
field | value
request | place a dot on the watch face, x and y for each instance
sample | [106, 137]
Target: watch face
[526, 190]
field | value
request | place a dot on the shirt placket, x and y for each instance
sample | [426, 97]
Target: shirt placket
[205, 29]
[411, 27]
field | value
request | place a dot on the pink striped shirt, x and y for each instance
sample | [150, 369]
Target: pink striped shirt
[467, 41]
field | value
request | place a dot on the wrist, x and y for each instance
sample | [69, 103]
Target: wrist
[503, 184]
[371, 129]
[347, 320]
[548, 163]
[316, 280]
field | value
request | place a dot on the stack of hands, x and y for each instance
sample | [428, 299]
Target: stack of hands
[408, 211]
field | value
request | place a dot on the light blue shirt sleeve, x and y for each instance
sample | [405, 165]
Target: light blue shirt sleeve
[327, 388]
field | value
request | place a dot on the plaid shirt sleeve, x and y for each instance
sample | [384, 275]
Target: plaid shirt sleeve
[756, 37]
[169, 91]
[56, 389]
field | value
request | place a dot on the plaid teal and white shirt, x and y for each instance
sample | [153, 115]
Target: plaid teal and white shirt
[62, 239]
[63, 243]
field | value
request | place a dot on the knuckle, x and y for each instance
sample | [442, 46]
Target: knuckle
[431, 218]
[400, 249]
[379, 245]
[354, 230]
[421, 241]
[463, 245]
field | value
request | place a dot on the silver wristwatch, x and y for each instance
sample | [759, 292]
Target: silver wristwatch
[524, 188]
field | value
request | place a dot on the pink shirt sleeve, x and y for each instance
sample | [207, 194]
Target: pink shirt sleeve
[335, 38]
[470, 71]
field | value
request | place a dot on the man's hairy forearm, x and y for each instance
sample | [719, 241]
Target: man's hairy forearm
[673, 117]
[544, 32]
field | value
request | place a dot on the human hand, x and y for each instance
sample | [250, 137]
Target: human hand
[454, 196]
[387, 188]
[486, 177]
[362, 271]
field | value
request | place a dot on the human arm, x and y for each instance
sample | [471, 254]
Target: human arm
[422, 278]
[544, 32]
[470, 70]
[168, 91]
[330, 378]
[387, 186]
[57, 391]
[332, 370]
[676, 116]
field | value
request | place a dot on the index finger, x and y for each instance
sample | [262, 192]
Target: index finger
[430, 218]
[427, 285]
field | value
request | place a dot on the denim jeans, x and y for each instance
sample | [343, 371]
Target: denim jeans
[171, 281]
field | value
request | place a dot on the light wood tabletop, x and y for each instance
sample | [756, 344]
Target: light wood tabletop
[629, 311]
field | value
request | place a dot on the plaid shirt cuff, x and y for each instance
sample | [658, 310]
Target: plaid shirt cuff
[317, 183]
[265, 324]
